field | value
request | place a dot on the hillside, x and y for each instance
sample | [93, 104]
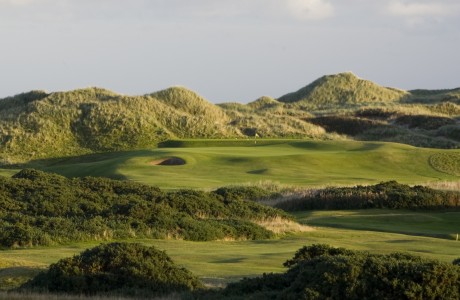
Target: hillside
[340, 89]
[39, 125]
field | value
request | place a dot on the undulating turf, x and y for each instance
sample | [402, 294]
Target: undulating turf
[294, 162]
[444, 225]
[219, 262]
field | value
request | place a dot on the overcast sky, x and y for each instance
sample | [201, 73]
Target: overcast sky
[226, 50]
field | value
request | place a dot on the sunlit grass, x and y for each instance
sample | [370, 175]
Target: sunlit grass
[294, 162]
[219, 262]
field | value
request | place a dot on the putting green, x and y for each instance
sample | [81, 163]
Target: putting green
[210, 164]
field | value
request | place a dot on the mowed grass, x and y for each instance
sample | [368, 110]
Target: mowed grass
[220, 262]
[435, 224]
[8, 172]
[211, 164]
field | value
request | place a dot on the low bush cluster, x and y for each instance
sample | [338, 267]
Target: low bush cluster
[389, 194]
[38, 208]
[115, 269]
[318, 271]
[253, 193]
[324, 272]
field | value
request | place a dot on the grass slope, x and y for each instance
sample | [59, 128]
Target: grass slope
[436, 224]
[211, 164]
[218, 262]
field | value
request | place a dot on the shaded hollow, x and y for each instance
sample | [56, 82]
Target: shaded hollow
[168, 161]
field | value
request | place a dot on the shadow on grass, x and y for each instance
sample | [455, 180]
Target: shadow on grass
[234, 260]
[13, 277]
[258, 172]
[443, 236]
[99, 164]
[400, 241]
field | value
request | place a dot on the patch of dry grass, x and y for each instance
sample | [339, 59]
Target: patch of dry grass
[444, 185]
[281, 226]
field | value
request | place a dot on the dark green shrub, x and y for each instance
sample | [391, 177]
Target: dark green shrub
[389, 194]
[117, 268]
[329, 273]
[245, 193]
[316, 250]
[38, 208]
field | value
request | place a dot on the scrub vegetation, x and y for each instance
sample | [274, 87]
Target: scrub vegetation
[127, 269]
[38, 209]
[324, 272]
[390, 195]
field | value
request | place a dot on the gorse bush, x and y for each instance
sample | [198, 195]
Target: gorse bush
[383, 195]
[37, 208]
[129, 269]
[324, 272]
[253, 193]
[311, 252]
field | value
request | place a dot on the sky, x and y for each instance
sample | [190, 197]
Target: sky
[225, 50]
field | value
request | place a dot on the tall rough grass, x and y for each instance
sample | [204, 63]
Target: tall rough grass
[38, 125]
[343, 88]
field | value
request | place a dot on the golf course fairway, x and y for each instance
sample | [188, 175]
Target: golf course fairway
[215, 163]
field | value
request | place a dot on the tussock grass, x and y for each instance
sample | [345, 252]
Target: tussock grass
[444, 185]
[342, 88]
[283, 226]
[93, 120]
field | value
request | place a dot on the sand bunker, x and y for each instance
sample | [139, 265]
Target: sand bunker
[168, 161]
